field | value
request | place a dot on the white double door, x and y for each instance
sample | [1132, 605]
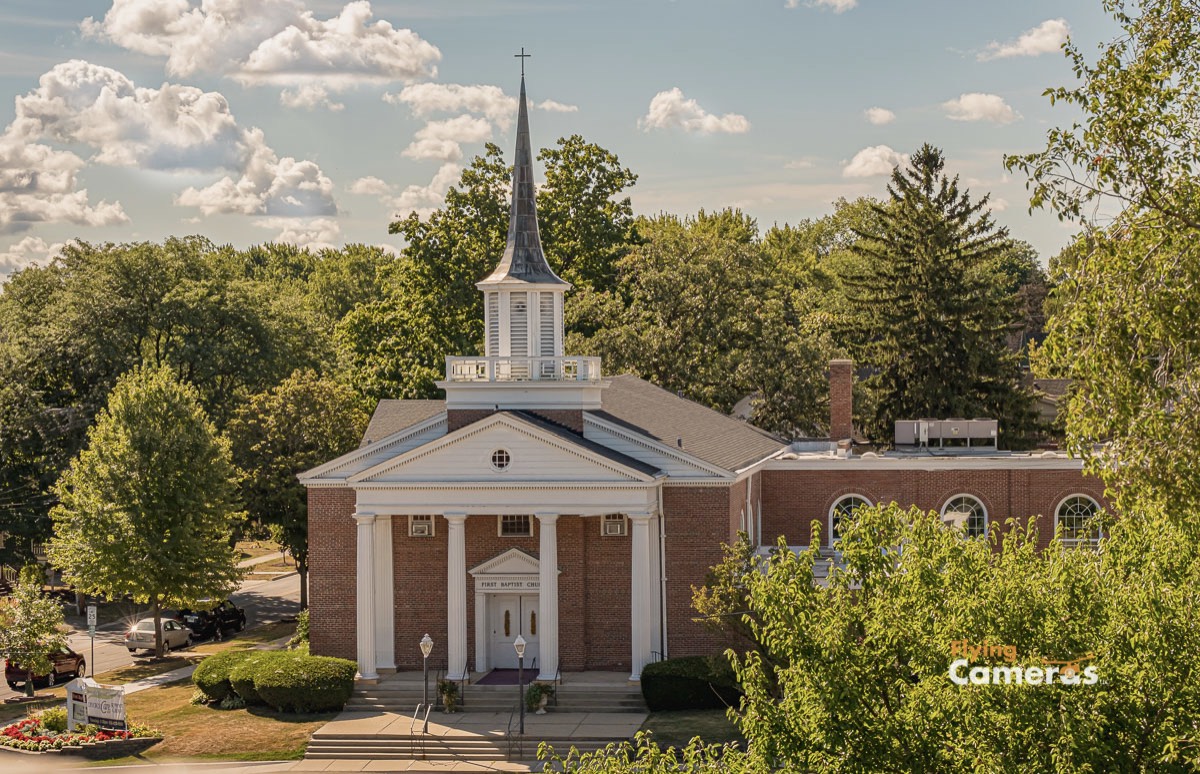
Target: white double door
[511, 615]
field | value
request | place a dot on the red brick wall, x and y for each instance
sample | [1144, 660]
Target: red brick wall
[593, 589]
[796, 501]
[841, 399]
[570, 419]
[698, 521]
[332, 566]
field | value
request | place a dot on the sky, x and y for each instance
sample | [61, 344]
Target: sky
[317, 122]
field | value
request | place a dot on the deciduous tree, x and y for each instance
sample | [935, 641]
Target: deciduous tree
[1126, 327]
[31, 628]
[146, 509]
[304, 422]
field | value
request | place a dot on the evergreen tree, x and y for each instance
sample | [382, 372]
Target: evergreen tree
[931, 294]
[146, 508]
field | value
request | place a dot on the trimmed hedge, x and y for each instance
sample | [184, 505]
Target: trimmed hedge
[242, 676]
[692, 682]
[212, 675]
[305, 683]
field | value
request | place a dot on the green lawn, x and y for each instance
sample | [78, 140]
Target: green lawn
[676, 729]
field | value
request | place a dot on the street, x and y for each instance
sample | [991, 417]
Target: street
[264, 601]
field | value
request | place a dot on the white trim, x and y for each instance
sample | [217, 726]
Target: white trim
[1077, 541]
[317, 475]
[508, 459]
[833, 509]
[507, 420]
[987, 517]
[855, 464]
[654, 445]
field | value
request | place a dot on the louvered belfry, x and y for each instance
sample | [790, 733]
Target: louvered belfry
[523, 297]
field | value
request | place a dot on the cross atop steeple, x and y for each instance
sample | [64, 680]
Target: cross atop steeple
[522, 56]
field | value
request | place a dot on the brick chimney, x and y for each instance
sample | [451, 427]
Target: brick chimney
[841, 399]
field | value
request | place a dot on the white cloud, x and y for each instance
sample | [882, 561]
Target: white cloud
[980, 107]
[997, 204]
[267, 185]
[369, 186]
[27, 252]
[873, 161]
[441, 139]
[427, 99]
[879, 116]
[173, 128]
[670, 109]
[1046, 38]
[837, 6]
[315, 233]
[275, 42]
[804, 162]
[551, 106]
[424, 199]
[309, 97]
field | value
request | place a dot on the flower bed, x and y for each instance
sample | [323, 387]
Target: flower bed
[33, 735]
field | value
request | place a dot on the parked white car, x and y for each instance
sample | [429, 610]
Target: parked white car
[141, 635]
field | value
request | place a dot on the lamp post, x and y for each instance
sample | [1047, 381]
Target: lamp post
[426, 649]
[519, 645]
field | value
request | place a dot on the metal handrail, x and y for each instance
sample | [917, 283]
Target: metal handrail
[514, 742]
[417, 743]
[557, 684]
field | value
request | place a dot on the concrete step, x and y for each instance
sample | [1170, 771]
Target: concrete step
[437, 748]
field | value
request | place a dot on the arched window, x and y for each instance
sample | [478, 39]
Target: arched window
[1075, 514]
[843, 507]
[968, 513]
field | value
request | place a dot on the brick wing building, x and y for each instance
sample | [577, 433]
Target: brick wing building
[545, 500]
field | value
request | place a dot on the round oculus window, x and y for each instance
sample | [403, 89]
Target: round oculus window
[501, 459]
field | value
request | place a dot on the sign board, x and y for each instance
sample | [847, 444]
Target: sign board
[91, 610]
[507, 583]
[89, 702]
[106, 707]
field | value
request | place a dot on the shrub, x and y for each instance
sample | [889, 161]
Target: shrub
[54, 719]
[306, 683]
[301, 635]
[212, 675]
[242, 676]
[693, 682]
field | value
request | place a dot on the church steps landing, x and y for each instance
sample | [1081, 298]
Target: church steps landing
[402, 697]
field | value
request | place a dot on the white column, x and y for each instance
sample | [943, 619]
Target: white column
[640, 604]
[365, 611]
[481, 632]
[385, 599]
[456, 597]
[548, 595]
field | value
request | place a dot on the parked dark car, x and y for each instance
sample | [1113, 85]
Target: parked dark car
[67, 664]
[213, 622]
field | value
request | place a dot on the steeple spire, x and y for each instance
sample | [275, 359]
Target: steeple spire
[523, 259]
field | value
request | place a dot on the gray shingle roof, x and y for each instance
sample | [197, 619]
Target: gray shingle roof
[592, 446]
[392, 416]
[710, 435]
[635, 404]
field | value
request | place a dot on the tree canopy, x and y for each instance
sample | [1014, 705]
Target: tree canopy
[305, 421]
[1125, 327]
[146, 508]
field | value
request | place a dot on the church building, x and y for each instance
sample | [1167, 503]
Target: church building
[545, 499]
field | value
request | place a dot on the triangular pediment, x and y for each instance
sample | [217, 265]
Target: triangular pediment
[535, 455]
[514, 561]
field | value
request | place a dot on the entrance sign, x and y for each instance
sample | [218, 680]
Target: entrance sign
[510, 583]
[89, 702]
